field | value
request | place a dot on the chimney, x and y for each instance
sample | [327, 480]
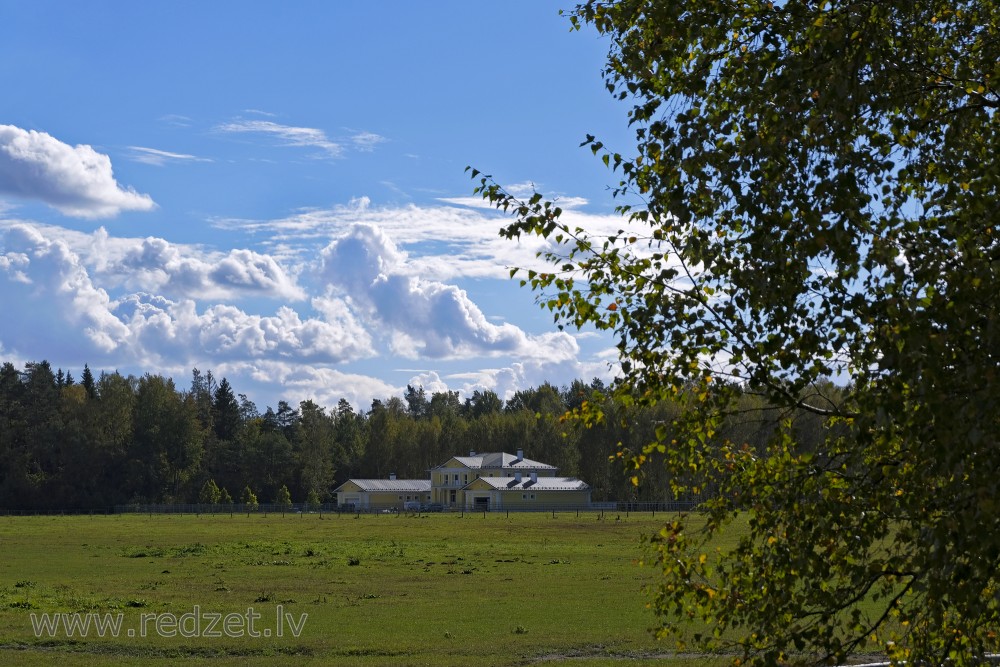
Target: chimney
[534, 478]
[472, 452]
[520, 456]
[517, 477]
[392, 476]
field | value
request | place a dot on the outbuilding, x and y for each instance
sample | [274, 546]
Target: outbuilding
[366, 494]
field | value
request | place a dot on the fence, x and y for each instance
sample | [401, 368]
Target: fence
[604, 508]
[431, 508]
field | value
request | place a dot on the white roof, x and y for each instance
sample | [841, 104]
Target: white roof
[543, 483]
[500, 460]
[411, 485]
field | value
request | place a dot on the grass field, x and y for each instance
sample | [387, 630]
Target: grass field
[527, 589]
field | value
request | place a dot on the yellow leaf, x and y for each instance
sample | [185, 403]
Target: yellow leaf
[635, 480]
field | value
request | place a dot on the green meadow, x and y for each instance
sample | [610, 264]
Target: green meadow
[442, 589]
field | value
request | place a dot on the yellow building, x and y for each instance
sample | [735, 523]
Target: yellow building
[526, 493]
[491, 481]
[450, 478]
[392, 493]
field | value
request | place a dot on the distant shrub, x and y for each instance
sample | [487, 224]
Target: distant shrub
[249, 498]
[210, 493]
[283, 499]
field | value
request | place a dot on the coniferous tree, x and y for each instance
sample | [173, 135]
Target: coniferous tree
[87, 380]
[313, 447]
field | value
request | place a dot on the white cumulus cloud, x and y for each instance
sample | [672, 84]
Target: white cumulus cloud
[226, 333]
[47, 290]
[422, 317]
[76, 180]
[156, 264]
[53, 306]
[325, 386]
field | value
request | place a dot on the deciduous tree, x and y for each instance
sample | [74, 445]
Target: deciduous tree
[283, 499]
[813, 194]
[249, 499]
[210, 493]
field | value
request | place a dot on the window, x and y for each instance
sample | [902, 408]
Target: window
[524, 496]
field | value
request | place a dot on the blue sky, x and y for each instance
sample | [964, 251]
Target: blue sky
[276, 193]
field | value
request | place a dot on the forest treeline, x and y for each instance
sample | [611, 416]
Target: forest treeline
[113, 439]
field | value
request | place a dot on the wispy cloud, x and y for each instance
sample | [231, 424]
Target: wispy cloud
[522, 191]
[289, 135]
[444, 242]
[367, 141]
[156, 157]
[76, 180]
[176, 120]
